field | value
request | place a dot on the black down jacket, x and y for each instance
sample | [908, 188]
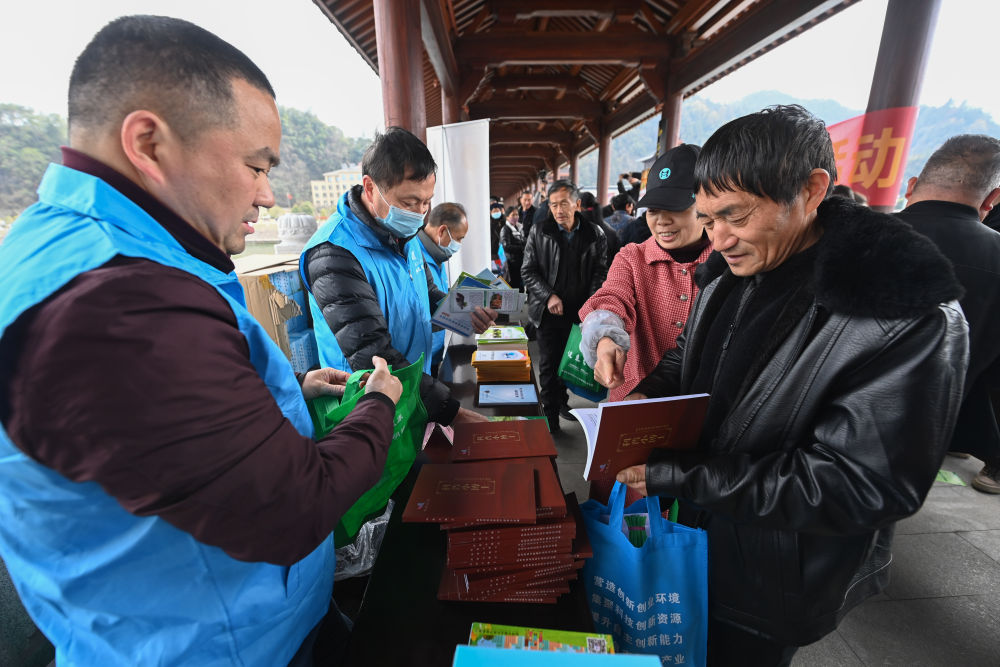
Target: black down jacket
[836, 433]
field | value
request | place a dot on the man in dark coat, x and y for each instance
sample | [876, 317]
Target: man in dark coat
[526, 211]
[834, 350]
[955, 190]
[565, 261]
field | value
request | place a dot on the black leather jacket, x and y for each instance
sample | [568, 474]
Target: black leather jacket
[836, 433]
[541, 261]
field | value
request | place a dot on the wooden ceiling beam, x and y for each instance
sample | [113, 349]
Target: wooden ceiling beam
[529, 109]
[539, 82]
[694, 11]
[761, 26]
[437, 44]
[519, 10]
[560, 49]
[506, 135]
[713, 24]
[513, 151]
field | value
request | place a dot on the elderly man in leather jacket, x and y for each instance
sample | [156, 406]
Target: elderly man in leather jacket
[834, 349]
[565, 261]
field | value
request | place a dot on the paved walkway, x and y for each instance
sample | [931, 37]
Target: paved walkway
[941, 607]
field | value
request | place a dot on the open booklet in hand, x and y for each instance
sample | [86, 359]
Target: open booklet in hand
[455, 310]
[622, 434]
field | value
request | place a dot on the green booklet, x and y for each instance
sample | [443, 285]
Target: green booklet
[538, 639]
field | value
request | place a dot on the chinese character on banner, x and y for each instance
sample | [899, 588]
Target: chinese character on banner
[871, 151]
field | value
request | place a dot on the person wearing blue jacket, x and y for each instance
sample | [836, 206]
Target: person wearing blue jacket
[447, 224]
[162, 499]
[369, 290]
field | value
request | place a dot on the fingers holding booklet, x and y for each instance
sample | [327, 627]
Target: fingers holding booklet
[622, 434]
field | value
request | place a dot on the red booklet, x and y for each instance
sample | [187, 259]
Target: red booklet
[623, 434]
[479, 492]
[544, 527]
[502, 440]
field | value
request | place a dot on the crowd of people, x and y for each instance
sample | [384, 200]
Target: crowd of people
[163, 498]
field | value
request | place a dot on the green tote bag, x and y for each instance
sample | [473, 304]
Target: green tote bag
[407, 436]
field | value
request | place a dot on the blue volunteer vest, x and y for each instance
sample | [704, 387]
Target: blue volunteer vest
[400, 285]
[439, 272]
[105, 586]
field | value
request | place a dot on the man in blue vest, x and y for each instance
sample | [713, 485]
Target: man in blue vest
[369, 292]
[162, 500]
[447, 224]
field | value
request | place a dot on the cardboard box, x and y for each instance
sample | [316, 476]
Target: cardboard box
[280, 313]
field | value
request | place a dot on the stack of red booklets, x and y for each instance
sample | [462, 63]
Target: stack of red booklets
[512, 534]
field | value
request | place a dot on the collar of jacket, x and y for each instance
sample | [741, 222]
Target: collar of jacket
[362, 214]
[868, 264]
[433, 249]
[583, 226]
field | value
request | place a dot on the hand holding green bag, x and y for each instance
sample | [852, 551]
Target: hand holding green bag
[574, 371]
[407, 436]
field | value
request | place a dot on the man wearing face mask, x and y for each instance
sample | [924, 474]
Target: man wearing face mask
[364, 269]
[447, 224]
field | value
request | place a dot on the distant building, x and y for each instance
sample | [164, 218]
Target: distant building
[325, 193]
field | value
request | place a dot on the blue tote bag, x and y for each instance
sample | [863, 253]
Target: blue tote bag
[651, 598]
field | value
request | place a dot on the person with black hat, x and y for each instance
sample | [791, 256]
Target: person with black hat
[647, 296]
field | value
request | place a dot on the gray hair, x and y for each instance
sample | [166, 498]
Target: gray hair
[966, 162]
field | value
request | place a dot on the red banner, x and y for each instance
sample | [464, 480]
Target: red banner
[871, 152]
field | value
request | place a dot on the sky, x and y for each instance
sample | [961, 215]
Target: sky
[313, 68]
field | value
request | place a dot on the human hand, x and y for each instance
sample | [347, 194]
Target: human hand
[324, 382]
[483, 319]
[634, 477]
[635, 396]
[554, 304]
[467, 416]
[381, 380]
[610, 367]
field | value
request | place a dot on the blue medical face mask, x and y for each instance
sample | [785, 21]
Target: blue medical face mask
[399, 221]
[452, 247]
[495, 215]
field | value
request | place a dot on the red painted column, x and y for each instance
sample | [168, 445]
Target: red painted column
[400, 64]
[671, 122]
[574, 168]
[907, 35]
[603, 167]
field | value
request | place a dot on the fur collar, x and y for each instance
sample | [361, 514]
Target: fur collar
[869, 264]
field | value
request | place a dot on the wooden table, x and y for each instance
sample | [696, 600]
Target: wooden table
[401, 621]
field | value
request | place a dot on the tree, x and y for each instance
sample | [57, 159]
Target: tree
[28, 142]
[305, 206]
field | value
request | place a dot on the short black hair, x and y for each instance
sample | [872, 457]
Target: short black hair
[965, 162]
[171, 67]
[563, 184]
[397, 155]
[769, 153]
[620, 201]
[448, 213]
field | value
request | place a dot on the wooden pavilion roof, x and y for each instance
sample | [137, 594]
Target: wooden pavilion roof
[553, 75]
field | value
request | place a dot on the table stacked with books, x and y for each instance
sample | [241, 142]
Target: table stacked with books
[512, 536]
[516, 565]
